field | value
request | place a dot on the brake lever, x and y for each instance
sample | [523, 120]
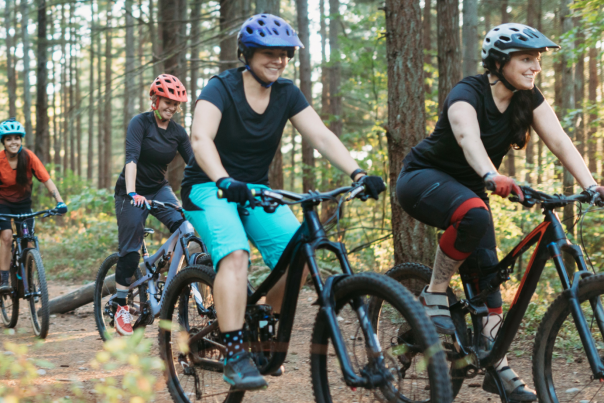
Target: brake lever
[356, 192]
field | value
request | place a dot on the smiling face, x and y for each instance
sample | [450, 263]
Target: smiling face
[268, 64]
[167, 107]
[12, 143]
[522, 69]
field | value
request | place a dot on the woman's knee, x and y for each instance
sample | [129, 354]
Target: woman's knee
[235, 262]
[469, 223]
[6, 236]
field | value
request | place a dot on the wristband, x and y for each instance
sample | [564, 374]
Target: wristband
[132, 194]
[356, 172]
[591, 188]
[489, 173]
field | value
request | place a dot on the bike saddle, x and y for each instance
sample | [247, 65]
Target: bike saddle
[149, 231]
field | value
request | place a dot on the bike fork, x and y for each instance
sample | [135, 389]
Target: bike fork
[595, 362]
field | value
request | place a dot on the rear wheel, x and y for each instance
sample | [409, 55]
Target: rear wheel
[414, 277]
[9, 303]
[391, 308]
[193, 375]
[104, 294]
[38, 293]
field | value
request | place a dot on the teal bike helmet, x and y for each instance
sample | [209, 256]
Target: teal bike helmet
[11, 126]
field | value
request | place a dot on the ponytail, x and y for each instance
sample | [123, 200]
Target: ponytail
[22, 166]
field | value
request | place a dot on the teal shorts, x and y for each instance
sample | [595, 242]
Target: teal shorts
[225, 231]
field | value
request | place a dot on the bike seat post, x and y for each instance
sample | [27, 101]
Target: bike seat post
[144, 250]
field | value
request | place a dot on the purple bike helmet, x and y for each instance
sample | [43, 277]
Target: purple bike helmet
[266, 31]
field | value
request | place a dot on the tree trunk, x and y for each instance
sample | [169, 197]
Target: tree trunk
[308, 158]
[228, 42]
[568, 103]
[72, 74]
[129, 86]
[60, 140]
[11, 76]
[195, 28]
[155, 44]
[78, 129]
[29, 139]
[592, 143]
[505, 16]
[100, 97]
[107, 118]
[470, 37]
[580, 91]
[510, 161]
[267, 6]
[141, 77]
[531, 16]
[77, 298]
[427, 32]
[413, 241]
[449, 58]
[170, 13]
[42, 144]
[335, 98]
[91, 99]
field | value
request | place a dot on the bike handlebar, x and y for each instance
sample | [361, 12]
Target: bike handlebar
[22, 217]
[532, 197]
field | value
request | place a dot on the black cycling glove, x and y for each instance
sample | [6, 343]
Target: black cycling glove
[374, 185]
[235, 191]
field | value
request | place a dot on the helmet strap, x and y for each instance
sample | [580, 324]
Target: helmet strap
[156, 112]
[262, 83]
[500, 76]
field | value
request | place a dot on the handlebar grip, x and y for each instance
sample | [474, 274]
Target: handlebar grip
[490, 185]
[220, 193]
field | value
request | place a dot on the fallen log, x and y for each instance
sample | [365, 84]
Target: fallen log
[82, 296]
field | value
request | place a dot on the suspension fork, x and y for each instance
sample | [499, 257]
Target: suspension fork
[572, 293]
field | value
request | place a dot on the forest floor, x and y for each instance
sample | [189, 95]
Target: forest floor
[73, 342]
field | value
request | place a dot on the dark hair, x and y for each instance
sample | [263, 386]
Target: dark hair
[521, 104]
[22, 164]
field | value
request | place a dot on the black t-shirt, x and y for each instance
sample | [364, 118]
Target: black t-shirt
[152, 148]
[441, 151]
[246, 141]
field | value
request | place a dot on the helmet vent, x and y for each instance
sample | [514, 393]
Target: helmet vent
[522, 38]
[275, 31]
[488, 40]
[277, 23]
[249, 30]
[287, 32]
[261, 22]
[262, 34]
[505, 38]
[263, 16]
[168, 81]
[160, 89]
[515, 29]
[171, 90]
[496, 29]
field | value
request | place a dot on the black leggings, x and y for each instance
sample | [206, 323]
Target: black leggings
[437, 199]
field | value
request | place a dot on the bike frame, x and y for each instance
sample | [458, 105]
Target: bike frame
[551, 241]
[179, 250]
[18, 253]
[309, 238]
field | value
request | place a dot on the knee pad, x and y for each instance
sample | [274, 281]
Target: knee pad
[469, 223]
[125, 268]
[175, 226]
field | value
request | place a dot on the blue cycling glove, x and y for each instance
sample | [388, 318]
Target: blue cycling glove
[139, 201]
[235, 191]
[61, 208]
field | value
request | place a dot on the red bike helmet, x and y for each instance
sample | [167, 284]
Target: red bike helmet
[168, 86]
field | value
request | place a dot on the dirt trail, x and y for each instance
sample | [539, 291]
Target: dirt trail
[73, 342]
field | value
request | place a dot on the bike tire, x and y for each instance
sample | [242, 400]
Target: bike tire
[377, 287]
[173, 299]
[38, 307]
[565, 383]
[414, 277]
[103, 289]
[9, 304]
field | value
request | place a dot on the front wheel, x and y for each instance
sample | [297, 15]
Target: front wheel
[560, 368]
[104, 293]
[391, 307]
[38, 293]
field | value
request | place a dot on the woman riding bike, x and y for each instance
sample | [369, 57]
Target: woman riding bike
[239, 120]
[443, 179]
[18, 166]
[152, 141]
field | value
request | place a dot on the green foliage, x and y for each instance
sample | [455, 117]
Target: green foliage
[130, 354]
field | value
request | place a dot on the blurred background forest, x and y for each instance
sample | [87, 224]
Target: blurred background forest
[75, 73]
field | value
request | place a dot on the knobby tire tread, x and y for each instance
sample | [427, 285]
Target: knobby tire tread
[206, 275]
[420, 271]
[44, 312]
[557, 312]
[396, 295]
[14, 318]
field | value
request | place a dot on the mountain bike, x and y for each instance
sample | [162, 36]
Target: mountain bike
[148, 282]
[350, 356]
[568, 354]
[27, 276]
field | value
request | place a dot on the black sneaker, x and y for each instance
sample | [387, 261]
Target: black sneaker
[5, 286]
[242, 374]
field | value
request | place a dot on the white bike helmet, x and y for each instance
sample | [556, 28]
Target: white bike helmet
[505, 39]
